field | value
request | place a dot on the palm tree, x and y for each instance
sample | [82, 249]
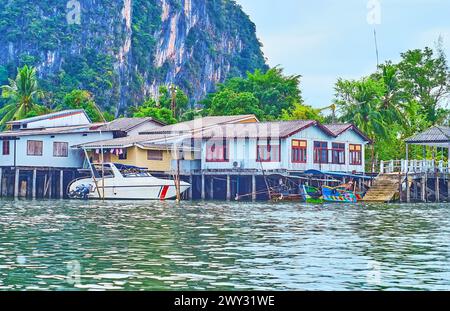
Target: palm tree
[359, 103]
[23, 93]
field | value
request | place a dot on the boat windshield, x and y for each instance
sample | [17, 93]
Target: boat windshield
[134, 173]
[105, 172]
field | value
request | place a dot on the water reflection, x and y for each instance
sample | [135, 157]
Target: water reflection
[72, 245]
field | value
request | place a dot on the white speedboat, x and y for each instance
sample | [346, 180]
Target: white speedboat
[124, 182]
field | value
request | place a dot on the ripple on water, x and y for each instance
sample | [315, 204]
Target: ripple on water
[57, 245]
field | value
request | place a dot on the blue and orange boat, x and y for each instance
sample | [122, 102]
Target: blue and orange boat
[338, 195]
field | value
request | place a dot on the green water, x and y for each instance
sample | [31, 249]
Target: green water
[74, 245]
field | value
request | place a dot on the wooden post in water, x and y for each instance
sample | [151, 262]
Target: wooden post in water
[1, 182]
[438, 188]
[61, 184]
[191, 191]
[16, 183]
[211, 188]
[253, 188]
[203, 187]
[228, 188]
[400, 186]
[50, 184]
[33, 189]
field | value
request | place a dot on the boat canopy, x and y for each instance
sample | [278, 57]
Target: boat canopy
[336, 174]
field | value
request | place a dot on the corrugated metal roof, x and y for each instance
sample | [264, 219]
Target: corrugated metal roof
[53, 130]
[436, 134]
[129, 141]
[47, 116]
[339, 128]
[256, 130]
[127, 124]
[201, 123]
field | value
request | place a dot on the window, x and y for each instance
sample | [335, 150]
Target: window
[5, 148]
[268, 151]
[299, 151]
[34, 148]
[338, 153]
[124, 154]
[60, 150]
[355, 154]
[154, 155]
[320, 152]
[217, 151]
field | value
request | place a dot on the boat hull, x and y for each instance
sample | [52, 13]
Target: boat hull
[164, 190]
[338, 196]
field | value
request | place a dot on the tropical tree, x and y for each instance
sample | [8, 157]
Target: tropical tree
[271, 91]
[302, 112]
[82, 99]
[359, 102]
[228, 102]
[150, 108]
[22, 96]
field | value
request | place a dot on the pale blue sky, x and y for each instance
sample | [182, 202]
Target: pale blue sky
[326, 39]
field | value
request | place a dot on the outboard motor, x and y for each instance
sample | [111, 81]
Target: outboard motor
[80, 192]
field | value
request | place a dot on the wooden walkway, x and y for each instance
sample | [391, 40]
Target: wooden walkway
[384, 189]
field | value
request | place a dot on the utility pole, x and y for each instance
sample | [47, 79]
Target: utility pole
[173, 91]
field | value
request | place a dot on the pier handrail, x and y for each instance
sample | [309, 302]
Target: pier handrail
[414, 166]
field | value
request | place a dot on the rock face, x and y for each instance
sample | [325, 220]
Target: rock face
[123, 50]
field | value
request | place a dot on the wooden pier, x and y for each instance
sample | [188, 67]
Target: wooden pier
[33, 183]
[411, 181]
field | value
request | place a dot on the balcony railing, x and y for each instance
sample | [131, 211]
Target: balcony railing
[414, 166]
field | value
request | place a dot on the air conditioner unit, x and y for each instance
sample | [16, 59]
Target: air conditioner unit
[238, 165]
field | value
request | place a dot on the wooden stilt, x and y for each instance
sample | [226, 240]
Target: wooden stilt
[50, 183]
[61, 184]
[228, 188]
[424, 187]
[400, 186]
[191, 193]
[408, 190]
[203, 187]
[438, 188]
[211, 188]
[16, 183]
[253, 188]
[1, 182]
[33, 191]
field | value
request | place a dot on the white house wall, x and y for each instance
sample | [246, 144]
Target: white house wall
[243, 152]
[75, 156]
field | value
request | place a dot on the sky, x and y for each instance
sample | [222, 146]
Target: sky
[323, 40]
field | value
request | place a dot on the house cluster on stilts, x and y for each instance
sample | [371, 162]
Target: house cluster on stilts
[223, 157]
[36, 157]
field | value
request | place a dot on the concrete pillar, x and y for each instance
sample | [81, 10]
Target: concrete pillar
[33, 191]
[203, 187]
[253, 188]
[61, 184]
[16, 183]
[228, 188]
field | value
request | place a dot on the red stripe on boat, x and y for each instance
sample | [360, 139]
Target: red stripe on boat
[164, 192]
